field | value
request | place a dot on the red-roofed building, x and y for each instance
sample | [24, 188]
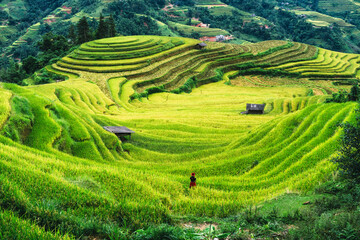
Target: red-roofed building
[210, 39]
[218, 38]
[203, 25]
[49, 21]
[66, 9]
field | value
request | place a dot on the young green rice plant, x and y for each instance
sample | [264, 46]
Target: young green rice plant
[13, 226]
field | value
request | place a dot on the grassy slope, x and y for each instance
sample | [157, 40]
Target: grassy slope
[322, 20]
[68, 167]
[337, 6]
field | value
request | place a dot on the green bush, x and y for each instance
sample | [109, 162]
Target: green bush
[348, 159]
[21, 120]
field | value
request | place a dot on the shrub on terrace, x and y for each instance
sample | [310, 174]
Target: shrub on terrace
[343, 96]
[348, 159]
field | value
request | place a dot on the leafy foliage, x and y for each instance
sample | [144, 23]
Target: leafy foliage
[343, 96]
[102, 30]
[20, 121]
[349, 154]
[53, 43]
[83, 31]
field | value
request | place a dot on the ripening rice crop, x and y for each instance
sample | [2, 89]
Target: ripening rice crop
[63, 176]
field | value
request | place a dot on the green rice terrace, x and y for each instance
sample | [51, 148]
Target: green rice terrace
[63, 176]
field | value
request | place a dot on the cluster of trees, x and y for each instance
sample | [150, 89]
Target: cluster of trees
[3, 15]
[132, 24]
[185, 2]
[348, 159]
[136, 6]
[84, 33]
[52, 47]
[136, 17]
[344, 96]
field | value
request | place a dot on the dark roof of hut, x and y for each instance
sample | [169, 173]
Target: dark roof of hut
[202, 44]
[255, 107]
[118, 130]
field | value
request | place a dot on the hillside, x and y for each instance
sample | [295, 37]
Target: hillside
[322, 24]
[63, 176]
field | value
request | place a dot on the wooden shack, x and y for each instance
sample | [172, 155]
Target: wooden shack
[120, 132]
[254, 108]
[201, 45]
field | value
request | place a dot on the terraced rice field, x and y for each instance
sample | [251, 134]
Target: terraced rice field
[210, 32]
[60, 170]
[31, 32]
[322, 20]
[338, 6]
[326, 65]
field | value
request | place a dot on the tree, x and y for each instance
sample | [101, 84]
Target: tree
[53, 43]
[185, 2]
[348, 159]
[72, 34]
[354, 93]
[83, 31]
[190, 15]
[102, 30]
[30, 64]
[44, 28]
[340, 97]
[14, 74]
[111, 27]
[195, 35]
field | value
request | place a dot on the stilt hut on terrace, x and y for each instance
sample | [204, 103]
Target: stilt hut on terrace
[120, 132]
[201, 45]
[254, 108]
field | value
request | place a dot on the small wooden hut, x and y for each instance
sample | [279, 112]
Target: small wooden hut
[201, 45]
[254, 108]
[120, 132]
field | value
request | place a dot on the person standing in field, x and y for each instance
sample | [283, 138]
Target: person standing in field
[192, 180]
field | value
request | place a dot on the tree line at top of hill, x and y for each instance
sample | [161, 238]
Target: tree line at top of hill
[82, 33]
